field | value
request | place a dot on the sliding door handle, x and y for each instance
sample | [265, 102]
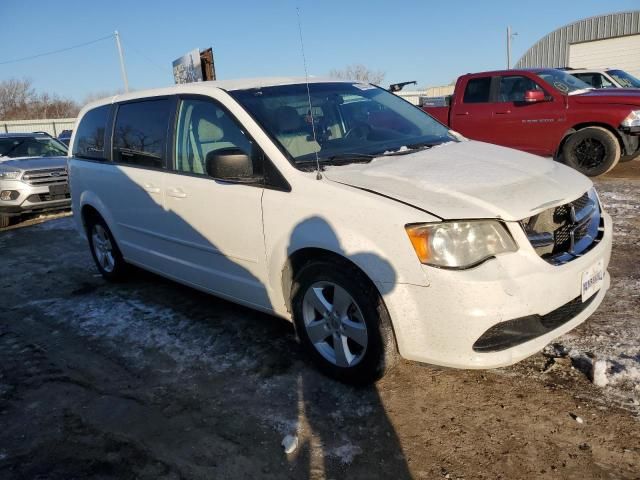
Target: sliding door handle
[176, 192]
[151, 188]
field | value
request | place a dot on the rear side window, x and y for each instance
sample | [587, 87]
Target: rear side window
[89, 140]
[140, 133]
[477, 90]
[513, 88]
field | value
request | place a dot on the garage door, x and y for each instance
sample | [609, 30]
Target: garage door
[620, 52]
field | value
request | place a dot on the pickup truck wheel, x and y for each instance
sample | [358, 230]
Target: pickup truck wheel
[4, 221]
[342, 322]
[105, 251]
[592, 151]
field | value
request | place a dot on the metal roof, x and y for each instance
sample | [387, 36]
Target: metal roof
[552, 50]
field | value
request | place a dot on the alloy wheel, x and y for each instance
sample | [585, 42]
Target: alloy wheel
[103, 248]
[334, 324]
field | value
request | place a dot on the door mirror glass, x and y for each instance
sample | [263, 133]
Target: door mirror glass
[230, 164]
[533, 96]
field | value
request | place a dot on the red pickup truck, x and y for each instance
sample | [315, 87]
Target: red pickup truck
[547, 112]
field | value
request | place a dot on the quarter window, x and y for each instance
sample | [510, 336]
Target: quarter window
[478, 90]
[204, 127]
[89, 140]
[140, 133]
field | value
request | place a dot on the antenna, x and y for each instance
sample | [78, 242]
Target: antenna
[306, 77]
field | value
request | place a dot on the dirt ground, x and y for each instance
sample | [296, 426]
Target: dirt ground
[152, 380]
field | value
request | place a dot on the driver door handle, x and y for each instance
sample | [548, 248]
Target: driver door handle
[176, 192]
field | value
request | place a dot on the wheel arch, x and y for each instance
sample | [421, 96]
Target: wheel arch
[297, 259]
[581, 126]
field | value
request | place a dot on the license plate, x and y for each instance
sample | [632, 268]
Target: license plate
[59, 190]
[592, 280]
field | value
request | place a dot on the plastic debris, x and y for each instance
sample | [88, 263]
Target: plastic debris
[290, 443]
[599, 373]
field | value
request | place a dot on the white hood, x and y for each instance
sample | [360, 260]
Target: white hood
[468, 180]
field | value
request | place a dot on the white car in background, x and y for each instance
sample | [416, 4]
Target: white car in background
[605, 78]
[347, 210]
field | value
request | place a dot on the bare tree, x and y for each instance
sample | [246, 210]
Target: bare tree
[360, 73]
[20, 101]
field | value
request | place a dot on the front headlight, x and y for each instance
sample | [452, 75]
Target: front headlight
[632, 120]
[9, 174]
[459, 244]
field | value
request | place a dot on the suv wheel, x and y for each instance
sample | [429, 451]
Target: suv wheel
[592, 151]
[5, 221]
[342, 322]
[105, 251]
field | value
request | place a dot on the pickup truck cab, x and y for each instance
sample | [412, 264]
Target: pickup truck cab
[547, 112]
[347, 210]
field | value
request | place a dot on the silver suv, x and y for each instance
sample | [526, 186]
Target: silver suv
[33, 175]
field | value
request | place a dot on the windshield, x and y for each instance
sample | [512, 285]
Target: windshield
[13, 147]
[346, 122]
[626, 80]
[563, 82]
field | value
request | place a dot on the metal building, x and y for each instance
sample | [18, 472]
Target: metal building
[611, 40]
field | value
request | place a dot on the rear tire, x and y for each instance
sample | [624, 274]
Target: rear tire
[342, 322]
[592, 151]
[5, 221]
[105, 251]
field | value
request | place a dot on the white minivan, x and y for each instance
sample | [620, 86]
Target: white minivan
[347, 210]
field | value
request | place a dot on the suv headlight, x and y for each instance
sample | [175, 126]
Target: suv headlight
[9, 174]
[459, 244]
[632, 120]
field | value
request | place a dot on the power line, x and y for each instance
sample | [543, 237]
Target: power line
[53, 52]
[152, 62]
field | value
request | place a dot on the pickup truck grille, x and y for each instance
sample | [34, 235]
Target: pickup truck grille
[563, 233]
[48, 176]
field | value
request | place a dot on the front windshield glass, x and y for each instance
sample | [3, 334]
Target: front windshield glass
[563, 82]
[13, 147]
[351, 121]
[625, 79]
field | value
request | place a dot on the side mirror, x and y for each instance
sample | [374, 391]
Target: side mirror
[534, 96]
[230, 164]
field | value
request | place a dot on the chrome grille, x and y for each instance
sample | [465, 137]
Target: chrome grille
[568, 231]
[48, 176]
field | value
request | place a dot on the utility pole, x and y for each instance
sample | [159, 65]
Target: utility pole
[509, 38]
[122, 67]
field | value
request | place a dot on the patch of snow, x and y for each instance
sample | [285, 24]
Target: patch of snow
[346, 452]
[133, 326]
[65, 223]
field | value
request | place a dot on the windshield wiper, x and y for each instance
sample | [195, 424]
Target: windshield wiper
[340, 159]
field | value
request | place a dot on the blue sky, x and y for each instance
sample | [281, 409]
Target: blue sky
[431, 42]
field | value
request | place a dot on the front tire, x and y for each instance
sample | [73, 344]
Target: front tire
[592, 151]
[5, 221]
[342, 322]
[105, 251]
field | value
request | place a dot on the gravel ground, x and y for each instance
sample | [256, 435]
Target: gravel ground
[149, 379]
